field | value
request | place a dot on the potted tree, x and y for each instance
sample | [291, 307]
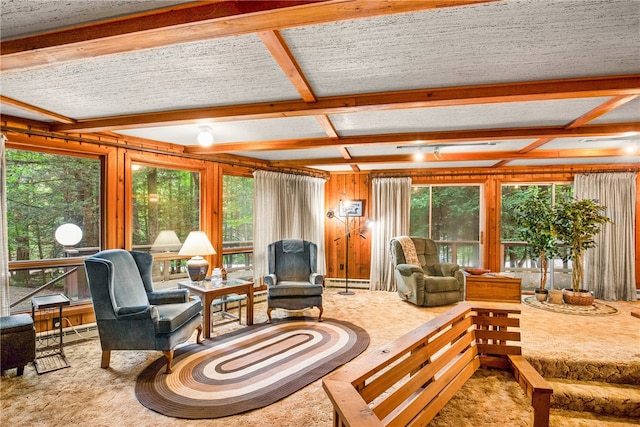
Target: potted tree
[534, 217]
[576, 223]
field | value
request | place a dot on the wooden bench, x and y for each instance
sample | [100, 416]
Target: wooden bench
[407, 382]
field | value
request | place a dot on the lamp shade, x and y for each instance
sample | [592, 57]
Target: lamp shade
[68, 234]
[166, 241]
[197, 243]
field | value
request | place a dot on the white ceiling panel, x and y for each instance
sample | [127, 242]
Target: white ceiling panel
[22, 17]
[576, 161]
[243, 130]
[427, 165]
[19, 112]
[232, 70]
[504, 115]
[496, 42]
[312, 153]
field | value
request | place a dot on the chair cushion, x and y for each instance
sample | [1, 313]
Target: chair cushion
[172, 316]
[441, 284]
[15, 323]
[294, 289]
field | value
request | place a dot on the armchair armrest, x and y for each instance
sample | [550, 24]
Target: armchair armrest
[408, 269]
[169, 296]
[448, 268]
[144, 312]
[316, 279]
[270, 280]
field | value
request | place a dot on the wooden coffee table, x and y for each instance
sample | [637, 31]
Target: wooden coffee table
[208, 292]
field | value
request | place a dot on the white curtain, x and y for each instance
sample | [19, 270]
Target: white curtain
[390, 204]
[4, 249]
[286, 206]
[609, 268]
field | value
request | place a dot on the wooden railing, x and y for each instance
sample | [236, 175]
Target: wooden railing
[407, 382]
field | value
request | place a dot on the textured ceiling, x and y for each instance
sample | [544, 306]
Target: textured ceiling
[236, 82]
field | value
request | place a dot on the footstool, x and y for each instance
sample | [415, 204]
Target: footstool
[17, 342]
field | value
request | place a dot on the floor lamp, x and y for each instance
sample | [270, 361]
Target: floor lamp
[347, 233]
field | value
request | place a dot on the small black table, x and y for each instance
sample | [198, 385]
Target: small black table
[49, 353]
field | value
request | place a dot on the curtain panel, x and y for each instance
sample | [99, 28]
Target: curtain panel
[4, 249]
[286, 206]
[609, 268]
[391, 205]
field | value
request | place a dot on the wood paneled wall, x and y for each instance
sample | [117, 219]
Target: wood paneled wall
[358, 186]
[348, 187]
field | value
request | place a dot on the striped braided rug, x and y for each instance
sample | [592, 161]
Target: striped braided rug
[249, 368]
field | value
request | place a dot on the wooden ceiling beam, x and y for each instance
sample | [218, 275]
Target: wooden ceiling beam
[427, 138]
[282, 54]
[422, 98]
[195, 22]
[459, 157]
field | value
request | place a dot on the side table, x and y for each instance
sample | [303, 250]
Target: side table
[49, 353]
[493, 287]
[208, 292]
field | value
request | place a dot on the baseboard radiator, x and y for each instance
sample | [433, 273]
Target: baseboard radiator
[339, 282]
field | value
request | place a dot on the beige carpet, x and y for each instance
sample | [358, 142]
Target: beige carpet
[84, 394]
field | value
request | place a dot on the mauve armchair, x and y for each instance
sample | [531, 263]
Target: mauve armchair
[130, 314]
[292, 282]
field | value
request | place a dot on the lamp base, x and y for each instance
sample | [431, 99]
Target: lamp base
[346, 293]
[197, 268]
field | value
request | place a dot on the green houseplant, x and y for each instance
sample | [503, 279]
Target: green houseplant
[576, 223]
[535, 219]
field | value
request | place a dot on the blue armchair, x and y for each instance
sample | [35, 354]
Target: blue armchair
[292, 282]
[132, 316]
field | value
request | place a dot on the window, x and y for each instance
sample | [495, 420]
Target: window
[516, 257]
[450, 215]
[237, 225]
[163, 200]
[46, 191]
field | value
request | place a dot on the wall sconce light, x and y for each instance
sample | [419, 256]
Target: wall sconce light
[205, 136]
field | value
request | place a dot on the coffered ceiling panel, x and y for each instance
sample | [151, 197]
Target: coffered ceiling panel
[487, 43]
[244, 130]
[232, 70]
[540, 113]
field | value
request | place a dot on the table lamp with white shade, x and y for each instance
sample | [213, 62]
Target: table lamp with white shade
[197, 245]
[166, 241]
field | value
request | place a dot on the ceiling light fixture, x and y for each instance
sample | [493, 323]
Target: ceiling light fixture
[418, 156]
[205, 136]
[436, 153]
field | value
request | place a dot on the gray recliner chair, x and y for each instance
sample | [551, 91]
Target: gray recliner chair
[132, 316]
[431, 284]
[292, 282]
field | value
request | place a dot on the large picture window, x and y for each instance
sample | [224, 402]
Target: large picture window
[44, 192]
[163, 200]
[237, 225]
[449, 215]
[517, 258]
[53, 212]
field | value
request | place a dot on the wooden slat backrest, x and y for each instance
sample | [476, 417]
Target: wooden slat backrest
[410, 380]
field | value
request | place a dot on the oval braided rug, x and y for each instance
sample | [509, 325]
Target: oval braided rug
[249, 368]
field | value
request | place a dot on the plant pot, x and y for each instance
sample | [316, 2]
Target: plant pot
[555, 296]
[541, 294]
[582, 297]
